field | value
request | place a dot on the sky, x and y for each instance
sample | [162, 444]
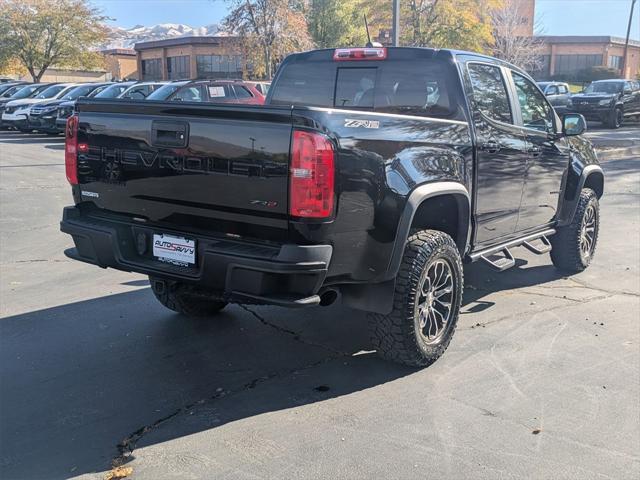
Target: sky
[556, 17]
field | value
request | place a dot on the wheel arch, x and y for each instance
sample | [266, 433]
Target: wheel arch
[452, 217]
[592, 176]
[378, 297]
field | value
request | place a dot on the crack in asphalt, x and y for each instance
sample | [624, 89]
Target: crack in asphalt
[295, 335]
[127, 446]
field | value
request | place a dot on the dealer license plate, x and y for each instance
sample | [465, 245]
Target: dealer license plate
[177, 250]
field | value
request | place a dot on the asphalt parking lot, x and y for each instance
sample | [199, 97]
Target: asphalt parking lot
[542, 379]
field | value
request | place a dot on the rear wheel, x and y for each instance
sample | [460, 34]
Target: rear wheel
[185, 299]
[574, 245]
[426, 304]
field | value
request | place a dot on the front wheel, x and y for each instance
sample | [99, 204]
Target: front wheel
[426, 303]
[616, 118]
[185, 299]
[574, 245]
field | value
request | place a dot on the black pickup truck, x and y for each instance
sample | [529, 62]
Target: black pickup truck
[370, 174]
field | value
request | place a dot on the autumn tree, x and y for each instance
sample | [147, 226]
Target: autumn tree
[459, 24]
[509, 44]
[43, 33]
[268, 31]
[336, 23]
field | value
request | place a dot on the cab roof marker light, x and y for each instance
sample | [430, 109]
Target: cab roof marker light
[349, 54]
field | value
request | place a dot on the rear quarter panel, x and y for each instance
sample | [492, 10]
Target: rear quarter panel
[381, 159]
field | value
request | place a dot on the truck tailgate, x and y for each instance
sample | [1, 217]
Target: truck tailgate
[185, 163]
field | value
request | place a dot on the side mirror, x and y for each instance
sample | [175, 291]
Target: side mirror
[573, 124]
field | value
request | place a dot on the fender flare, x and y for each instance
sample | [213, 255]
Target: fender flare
[570, 204]
[419, 195]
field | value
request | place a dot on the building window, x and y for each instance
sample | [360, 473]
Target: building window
[219, 66]
[615, 61]
[178, 68]
[575, 63]
[151, 69]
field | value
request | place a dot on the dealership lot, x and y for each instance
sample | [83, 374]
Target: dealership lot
[542, 379]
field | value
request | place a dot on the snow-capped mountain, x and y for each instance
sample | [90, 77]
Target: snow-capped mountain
[128, 37]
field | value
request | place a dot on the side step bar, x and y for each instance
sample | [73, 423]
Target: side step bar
[504, 258]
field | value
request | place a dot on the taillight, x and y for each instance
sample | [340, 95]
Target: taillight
[71, 150]
[312, 175]
[374, 53]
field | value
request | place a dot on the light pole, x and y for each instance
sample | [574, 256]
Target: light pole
[626, 43]
[396, 23]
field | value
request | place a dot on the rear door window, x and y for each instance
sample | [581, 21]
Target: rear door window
[490, 92]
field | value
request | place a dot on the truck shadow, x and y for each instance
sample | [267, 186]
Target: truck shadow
[85, 383]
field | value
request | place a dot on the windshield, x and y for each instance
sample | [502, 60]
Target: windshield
[113, 91]
[4, 88]
[10, 91]
[26, 91]
[604, 87]
[51, 92]
[166, 91]
[98, 90]
[81, 91]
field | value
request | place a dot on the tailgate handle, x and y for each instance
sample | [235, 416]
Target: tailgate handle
[169, 134]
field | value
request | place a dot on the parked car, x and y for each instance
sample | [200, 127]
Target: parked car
[42, 117]
[558, 94]
[141, 90]
[16, 112]
[372, 172]
[209, 91]
[27, 91]
[608, 101]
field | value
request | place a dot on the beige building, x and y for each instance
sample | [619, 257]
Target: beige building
[71, 76]
[121, 63]
[567, 55]
[189, 58]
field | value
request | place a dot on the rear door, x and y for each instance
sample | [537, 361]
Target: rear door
[501, 158]
[547, 155]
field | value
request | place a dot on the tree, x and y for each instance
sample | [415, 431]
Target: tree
[45, 33]
[521, 50]
[268, 31]
[459, 24]
[336, 23]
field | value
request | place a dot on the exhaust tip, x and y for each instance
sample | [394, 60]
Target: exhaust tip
[328, 297]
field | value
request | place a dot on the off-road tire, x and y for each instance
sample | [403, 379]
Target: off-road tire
[566, 254]
[185, 299]
[397, 336]
[616, 118]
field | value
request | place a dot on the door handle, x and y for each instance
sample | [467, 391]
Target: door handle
[535, 151]
[490, 147]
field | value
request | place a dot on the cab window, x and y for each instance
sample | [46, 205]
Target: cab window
[490, 92]
[552, 90]
[536, 112]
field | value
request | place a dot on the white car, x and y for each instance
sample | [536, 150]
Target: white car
[16, 112]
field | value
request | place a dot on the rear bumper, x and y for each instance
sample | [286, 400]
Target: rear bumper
[286, 275]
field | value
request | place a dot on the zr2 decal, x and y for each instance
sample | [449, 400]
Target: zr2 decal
[351, 123]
